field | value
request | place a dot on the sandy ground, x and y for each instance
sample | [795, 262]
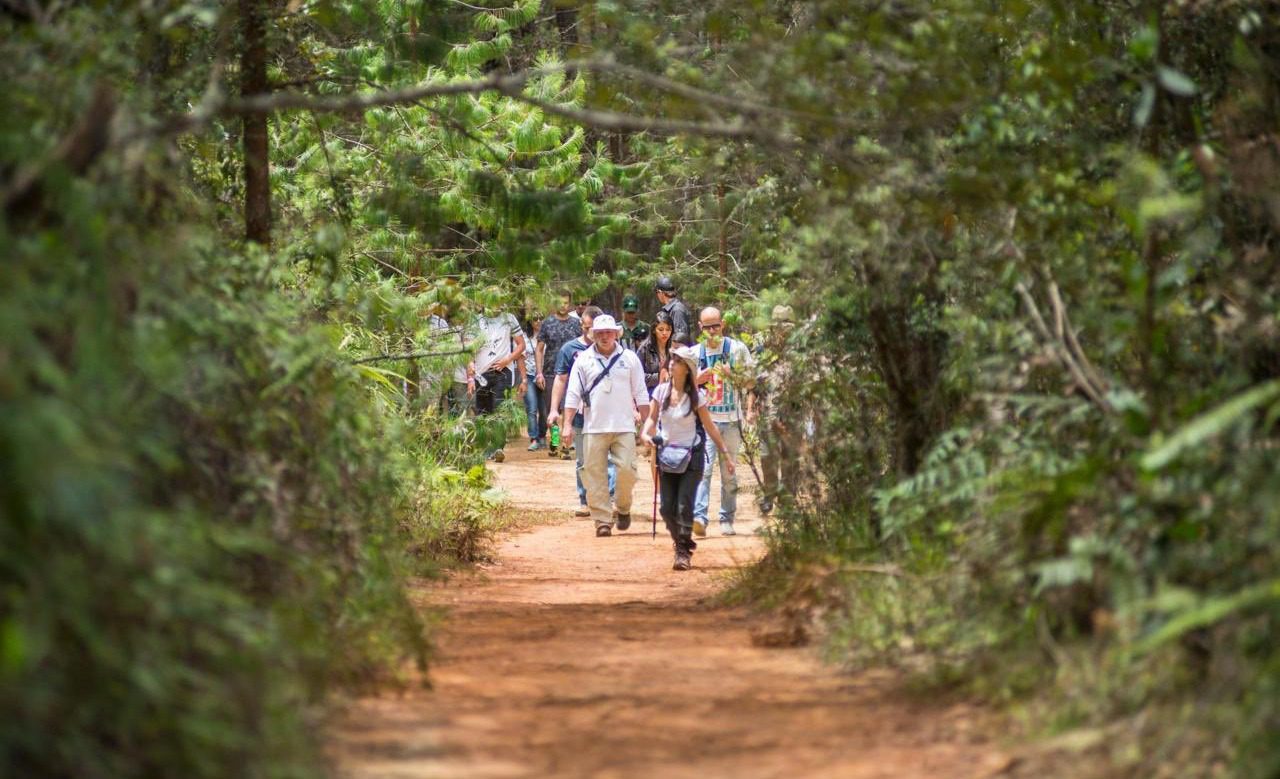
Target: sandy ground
[573, 656]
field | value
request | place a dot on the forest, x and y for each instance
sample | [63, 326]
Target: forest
[1033, 251]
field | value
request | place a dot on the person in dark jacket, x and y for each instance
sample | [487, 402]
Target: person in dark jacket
[655, 351]
[681, 318]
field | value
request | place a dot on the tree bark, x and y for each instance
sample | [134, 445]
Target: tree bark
[257, 146]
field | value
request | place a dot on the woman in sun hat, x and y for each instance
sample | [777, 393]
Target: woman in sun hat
[679, 415]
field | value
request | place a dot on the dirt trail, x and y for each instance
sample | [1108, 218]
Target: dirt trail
[573, 656]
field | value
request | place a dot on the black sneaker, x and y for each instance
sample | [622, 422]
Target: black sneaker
[603, 530]
[624, 521]
[682, 563]
[766, 506]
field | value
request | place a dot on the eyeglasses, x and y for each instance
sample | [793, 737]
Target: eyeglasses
[711, 325]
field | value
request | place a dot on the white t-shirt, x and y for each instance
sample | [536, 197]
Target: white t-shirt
[677, 423]
[615, 399]
[530, 358]
[495, 336]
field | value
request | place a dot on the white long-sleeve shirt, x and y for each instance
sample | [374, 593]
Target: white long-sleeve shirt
[614, 401]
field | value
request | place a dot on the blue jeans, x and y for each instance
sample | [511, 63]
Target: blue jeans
[580, 452]
[728, 484]
[533, 408]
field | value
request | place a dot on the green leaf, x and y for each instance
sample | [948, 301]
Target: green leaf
[1145, 106]
[1175, 81]
[1210, 424]
[1209, 611]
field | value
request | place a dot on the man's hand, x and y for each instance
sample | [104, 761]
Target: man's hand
[553, 417]
[705, 374]
[729, 465]
[566, 438]
[539, 381]
[471, 386]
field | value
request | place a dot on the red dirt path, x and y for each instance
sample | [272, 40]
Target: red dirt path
[573, 656]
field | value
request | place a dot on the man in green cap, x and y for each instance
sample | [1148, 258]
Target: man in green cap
[631, 323]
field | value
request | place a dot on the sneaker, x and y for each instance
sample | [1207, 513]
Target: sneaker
[682, 563]
[582, 511]
[726, 529]
[552, 452]
[498, 456]
[699, 528]
[535, 446]
[603, 530]
[766, 506]
[566, 454]
[624, 521]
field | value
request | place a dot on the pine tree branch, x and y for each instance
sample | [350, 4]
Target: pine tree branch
[508, 84]
[408, 356]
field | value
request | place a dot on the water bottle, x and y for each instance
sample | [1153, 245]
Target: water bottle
[555, 437]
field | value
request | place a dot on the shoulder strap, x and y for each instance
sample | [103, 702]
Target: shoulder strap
[702, 355]
[586, 396]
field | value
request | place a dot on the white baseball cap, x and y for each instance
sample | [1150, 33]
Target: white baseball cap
[605, 322]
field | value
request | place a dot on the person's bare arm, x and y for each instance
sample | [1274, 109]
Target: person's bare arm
[650, 424]
[539, 354]
[714, 433]
[557, 392]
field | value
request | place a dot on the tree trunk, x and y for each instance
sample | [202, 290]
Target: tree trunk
[257, 148]
[910, 361]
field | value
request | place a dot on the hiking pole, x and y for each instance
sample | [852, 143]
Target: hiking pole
[653, 466]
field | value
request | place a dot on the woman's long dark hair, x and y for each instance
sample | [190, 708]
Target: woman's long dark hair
[690, 389]
[651, 343]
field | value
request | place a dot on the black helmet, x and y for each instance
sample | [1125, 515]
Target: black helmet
[665, 284]
[640, 332]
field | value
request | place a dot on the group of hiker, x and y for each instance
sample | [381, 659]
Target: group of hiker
[596, 388]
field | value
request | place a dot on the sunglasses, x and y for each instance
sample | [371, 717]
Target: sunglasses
[711, 326]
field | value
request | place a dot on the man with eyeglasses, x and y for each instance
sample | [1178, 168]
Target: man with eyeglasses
[723, 365]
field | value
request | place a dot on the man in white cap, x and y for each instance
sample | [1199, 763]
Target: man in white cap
[607, 382]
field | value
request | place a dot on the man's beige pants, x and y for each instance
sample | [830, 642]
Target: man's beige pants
[598, 447]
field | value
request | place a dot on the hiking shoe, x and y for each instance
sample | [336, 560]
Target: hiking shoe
[682, 563]
[766, 506]
[699, 528]
[624, 521]
[535, 446]
[726, 529]
[498, 456]
[582, 511]
[604, 530]
[552, 452]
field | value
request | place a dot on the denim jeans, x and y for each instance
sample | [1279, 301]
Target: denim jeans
[580, 453]
[533, 409]
[728, 483]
